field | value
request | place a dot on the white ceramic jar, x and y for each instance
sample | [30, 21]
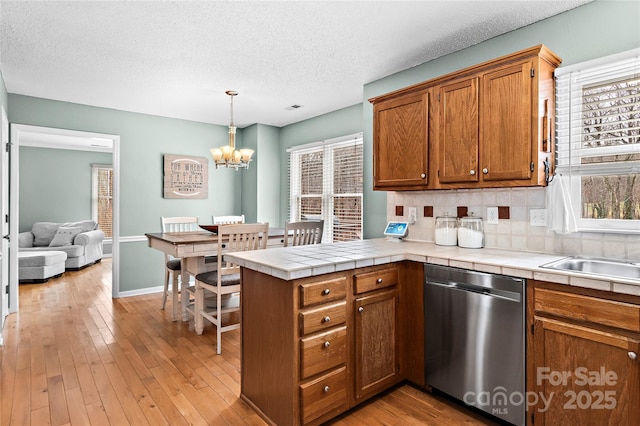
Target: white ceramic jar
[446, 232]
[470, 232]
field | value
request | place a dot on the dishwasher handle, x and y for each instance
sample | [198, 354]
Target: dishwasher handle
[510, 296]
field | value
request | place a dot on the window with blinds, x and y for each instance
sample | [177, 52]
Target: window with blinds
[326, 180]
[102, 197]
[598, 134]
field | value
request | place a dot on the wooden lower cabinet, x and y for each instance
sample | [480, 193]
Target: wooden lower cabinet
[376, 342]
[324, 395]
[581, 371]
[315, 347]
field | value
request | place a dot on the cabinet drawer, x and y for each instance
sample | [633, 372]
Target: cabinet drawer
[326, 394]
[323, 317]
[324, 291]
[375, 280]
[586, 308]
[321, 352]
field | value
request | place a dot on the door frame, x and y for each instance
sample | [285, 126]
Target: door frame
[4, 225]
[22, 132]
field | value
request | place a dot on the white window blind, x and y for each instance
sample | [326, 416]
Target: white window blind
[598, 134]
[326, 181]
[102, 197]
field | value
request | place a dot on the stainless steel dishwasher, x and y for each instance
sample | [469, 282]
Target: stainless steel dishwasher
[475, 339]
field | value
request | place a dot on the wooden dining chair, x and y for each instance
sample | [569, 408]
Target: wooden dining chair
[303, 233]
[173, 266]
[225, 280]
[223, 220]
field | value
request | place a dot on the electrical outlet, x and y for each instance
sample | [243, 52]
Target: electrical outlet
[412, 215]
[492, 215]
[538, 217]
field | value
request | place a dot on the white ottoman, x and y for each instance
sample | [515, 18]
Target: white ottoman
[39, 266]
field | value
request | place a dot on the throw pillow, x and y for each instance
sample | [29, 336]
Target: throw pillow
[43, 233]
[64, 236]
[85, 225]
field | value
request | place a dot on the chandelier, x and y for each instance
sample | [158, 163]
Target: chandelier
[228, 156]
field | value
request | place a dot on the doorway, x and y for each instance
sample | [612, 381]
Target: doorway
[47, 137]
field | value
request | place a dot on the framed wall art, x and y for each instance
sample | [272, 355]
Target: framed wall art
[186, 177]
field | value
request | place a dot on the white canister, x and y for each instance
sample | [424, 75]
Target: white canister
[446, 231]
[470, 232]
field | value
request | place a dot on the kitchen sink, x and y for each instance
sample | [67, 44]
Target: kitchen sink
[603, 267]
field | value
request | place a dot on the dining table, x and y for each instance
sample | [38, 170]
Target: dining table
[193, 248]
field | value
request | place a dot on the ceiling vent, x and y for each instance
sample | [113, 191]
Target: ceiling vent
[292, 107]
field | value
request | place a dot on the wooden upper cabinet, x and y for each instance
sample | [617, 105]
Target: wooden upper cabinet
[401, 142]
[459, 131]
[507, 143]
[488, 125]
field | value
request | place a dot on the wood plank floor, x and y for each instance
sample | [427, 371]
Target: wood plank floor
[75, 356]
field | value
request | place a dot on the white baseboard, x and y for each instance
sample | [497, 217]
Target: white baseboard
[142, 291]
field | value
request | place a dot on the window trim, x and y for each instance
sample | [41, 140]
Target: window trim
[328, 146]
[94, 193]
[569, 150]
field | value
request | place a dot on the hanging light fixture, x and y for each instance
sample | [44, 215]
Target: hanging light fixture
[228, 156]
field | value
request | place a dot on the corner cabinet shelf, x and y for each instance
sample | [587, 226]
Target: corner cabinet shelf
[488, 125]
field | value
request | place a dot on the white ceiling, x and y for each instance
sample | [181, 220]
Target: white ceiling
[177, 58]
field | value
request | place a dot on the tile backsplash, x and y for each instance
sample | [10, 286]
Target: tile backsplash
[513, 233]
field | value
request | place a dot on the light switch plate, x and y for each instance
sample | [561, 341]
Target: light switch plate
[538, 217]
[492, 215]
[412, 215]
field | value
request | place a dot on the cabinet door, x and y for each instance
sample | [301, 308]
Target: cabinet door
[376, 351]
[459, 131]
[506, 149]
[401, 141]
[588, 376]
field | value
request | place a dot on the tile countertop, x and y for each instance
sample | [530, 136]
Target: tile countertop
[290, 263]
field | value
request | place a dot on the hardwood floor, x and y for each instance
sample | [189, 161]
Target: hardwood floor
[73, 355]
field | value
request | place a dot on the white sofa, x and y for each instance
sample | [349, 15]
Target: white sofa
[81, 241]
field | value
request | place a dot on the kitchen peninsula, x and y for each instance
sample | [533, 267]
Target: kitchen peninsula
[326, 327]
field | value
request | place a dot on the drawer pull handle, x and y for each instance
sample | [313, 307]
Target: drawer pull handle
[485, 170]
[632, 355]
[326, 291]
[360, 309]
[327, 344]
[379, 280]
[326, 319]
[326, 389]
[472, 172]
[423, 175]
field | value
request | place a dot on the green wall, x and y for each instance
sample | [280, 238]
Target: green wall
[594, 30]
[261, 182]
[338, 123]
[269, 172]
[143, 141]
[55, 185]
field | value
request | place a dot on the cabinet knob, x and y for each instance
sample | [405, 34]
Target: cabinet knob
[472, 172]
[327, 344]
[326, 389]
[632, 355]
[379, 280]
[327, 318]
[485, 170]
[360, 309]
[423, 175]
[326, 291]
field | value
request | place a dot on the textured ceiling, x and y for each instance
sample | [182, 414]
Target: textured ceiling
[177, 58]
